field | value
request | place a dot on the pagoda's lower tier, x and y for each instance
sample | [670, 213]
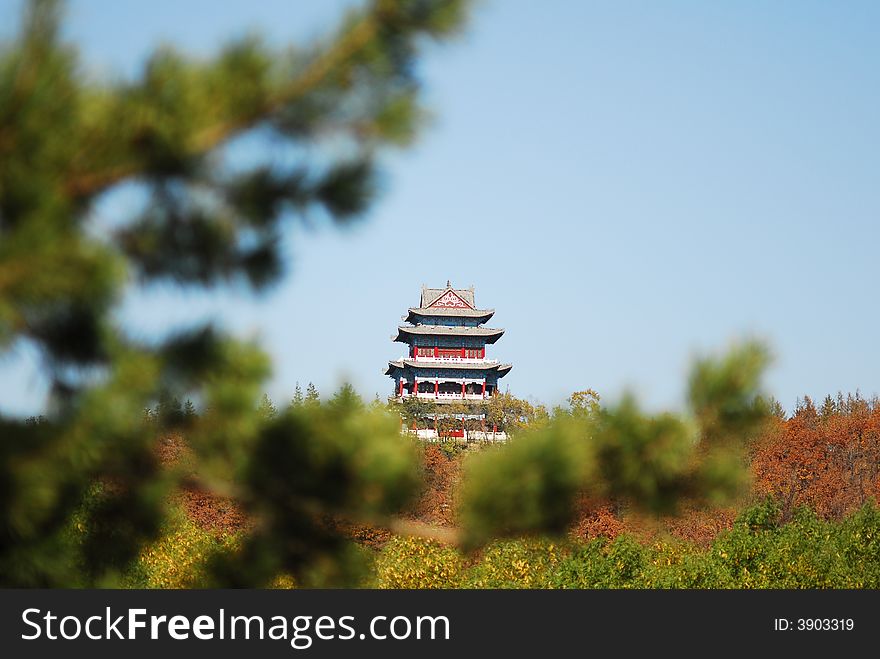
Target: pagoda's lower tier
[446, 382]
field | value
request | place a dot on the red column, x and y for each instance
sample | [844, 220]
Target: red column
[415, 386]
[483, 353]
[462, 389]
[484, 387]
[462, 353]
[401, 388]
[436, 388]
[436, 352]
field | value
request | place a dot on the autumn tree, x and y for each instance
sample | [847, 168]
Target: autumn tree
[584, 403]
[827, 459]
[512, 414]
[654, 461]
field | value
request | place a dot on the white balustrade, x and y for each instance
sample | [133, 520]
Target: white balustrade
[451, 360]
[447, 395]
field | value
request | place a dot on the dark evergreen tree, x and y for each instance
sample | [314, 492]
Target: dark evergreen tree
[189, 411]
[312, 395]
[67, 137]
[267, 409]
[297, 399]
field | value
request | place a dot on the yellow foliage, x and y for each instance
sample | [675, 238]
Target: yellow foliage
[178, 559]
[414, 563]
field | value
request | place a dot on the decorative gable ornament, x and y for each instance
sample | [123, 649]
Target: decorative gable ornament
[449, 300]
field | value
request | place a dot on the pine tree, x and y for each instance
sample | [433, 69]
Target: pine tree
[267, 409]
[828, 409]
[775, 409]
[67, 137]
[297, 399]
[346, 395]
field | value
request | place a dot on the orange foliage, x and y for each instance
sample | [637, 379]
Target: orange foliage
[829, 461]
[209, 511]
[597, 519]
[826, 459]
[442, 473]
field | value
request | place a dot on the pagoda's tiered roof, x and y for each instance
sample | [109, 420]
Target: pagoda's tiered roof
[415, 313]
[433, 295]
[445, 305]
[452, 365]
[491, 335]
[447, 302]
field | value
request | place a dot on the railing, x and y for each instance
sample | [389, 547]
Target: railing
[447, 396]
[437, 360]
[430, 435]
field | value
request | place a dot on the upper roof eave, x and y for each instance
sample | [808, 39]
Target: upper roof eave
[502, 369]
[485, 314]
[489, 333]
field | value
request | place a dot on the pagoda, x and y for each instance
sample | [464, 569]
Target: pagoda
[446, 349]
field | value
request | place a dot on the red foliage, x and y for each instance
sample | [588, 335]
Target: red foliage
[597, 519]
[207, 510]
[212, 512]
[437, 502]
[829, 461]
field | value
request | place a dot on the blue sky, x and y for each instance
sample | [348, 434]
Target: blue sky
[626, 183]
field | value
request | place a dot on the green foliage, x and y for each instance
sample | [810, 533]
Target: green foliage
[643, 457]
[601, 564]
[312, 395]
[297, 396]
[584, 403]
[759, 552]
[337, 460]
[414, 410]
[651, 460]
[513, 414]
[67, 137]
[526, 563]
[775, 409]
[346, 397]
[527, 485]
[451, 447]
[267, 409]
[179, 558]
[724, 393]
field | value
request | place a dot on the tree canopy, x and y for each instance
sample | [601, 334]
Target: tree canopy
[67, 138]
